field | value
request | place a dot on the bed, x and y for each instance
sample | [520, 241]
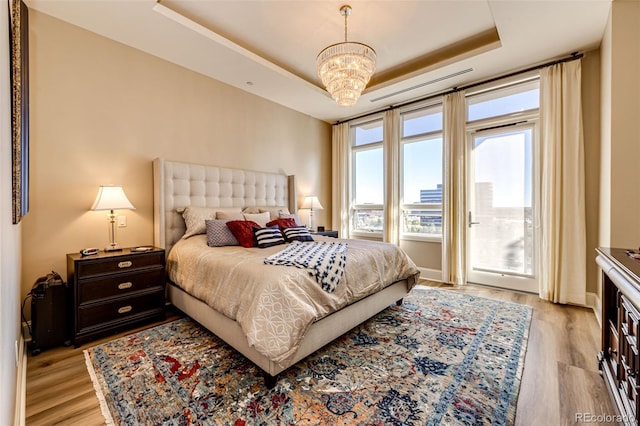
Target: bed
[179, 185]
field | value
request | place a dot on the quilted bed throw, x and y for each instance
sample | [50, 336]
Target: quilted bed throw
[324, 261]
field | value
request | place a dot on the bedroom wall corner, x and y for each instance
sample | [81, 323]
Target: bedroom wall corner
[102, 111]
[591, 107]
[623, 109]
[619, 201]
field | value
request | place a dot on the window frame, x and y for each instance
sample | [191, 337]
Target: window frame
[529, 118]
[403, 207]
[510, 86]
[396, 147]
[354, 149]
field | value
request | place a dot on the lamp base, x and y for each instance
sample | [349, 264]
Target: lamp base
[110, 248]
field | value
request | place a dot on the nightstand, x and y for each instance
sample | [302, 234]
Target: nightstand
[333, 234]
[110, 291]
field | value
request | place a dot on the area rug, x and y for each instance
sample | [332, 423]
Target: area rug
[441, 358]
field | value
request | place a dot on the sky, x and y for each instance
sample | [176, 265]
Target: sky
[504, 159]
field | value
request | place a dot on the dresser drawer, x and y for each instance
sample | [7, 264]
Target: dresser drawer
[111, 291]
[132, 262]
[119, 309]
[119, 284]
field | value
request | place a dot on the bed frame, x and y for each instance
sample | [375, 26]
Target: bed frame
[178, 185]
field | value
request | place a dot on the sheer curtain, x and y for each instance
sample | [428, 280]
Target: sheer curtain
[562, 203]
[454, 195]
[392, 176]
[340, 179]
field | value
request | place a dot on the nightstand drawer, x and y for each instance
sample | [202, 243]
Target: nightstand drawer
[114, 290]
[131, 262]
[119, 309]
[119, 284]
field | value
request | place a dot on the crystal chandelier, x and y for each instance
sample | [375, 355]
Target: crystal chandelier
[345, 68]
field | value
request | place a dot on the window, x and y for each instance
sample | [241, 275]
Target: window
[501, 190]
[509, 100]
[417, 181]
[368, 178]
[421, 151]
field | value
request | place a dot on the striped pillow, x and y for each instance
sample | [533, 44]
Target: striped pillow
[299, 233]
[267, 237]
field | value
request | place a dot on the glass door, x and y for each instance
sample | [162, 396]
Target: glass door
[501, 229]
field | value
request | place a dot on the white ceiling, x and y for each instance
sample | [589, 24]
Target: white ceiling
[269, 47]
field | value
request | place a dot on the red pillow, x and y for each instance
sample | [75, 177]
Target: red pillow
[243, 231]
[283, 223]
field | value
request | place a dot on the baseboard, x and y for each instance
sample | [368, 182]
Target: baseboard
[430, 274]
[21, 384]
[593, 302]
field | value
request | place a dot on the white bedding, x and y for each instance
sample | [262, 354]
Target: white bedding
[275, 305]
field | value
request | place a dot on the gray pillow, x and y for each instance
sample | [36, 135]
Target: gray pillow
[219, 234]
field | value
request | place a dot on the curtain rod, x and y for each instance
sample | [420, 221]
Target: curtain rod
[573, 57]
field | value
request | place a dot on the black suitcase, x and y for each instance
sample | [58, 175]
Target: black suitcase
[49, 316]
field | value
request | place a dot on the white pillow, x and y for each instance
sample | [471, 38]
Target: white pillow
[229, 215]
[274, 212]
[259, 218]
[195, 217]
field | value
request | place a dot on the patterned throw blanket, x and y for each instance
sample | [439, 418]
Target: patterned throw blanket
[324, 261]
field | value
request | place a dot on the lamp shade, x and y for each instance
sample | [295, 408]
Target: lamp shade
[112, 197]
[312, 203]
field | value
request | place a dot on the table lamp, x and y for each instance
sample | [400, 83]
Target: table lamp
[112, 197]
[312, 203]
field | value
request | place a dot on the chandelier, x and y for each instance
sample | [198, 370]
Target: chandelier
[345, 68]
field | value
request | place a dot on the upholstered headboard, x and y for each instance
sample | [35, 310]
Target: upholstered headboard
[177, 185]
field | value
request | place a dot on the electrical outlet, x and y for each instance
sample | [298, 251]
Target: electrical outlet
[122, 221]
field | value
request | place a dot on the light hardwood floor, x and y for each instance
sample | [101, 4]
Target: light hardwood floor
[560, 377]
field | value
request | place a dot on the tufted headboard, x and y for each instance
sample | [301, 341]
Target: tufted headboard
[177, 185]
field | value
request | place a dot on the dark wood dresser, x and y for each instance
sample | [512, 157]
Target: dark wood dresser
[620, 314]
[110, 291]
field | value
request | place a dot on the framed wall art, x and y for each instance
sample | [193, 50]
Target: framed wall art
[19, 39]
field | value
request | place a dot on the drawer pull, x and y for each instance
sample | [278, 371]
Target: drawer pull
[125, 309]
[125, 264]
[124, 286]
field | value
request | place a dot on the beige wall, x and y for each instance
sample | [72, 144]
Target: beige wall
[591, 128]
[604, 210]
[623, 223]
[619, 205]
[427, 255]
[100, 113]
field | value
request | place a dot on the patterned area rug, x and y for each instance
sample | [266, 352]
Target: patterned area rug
[441, 358]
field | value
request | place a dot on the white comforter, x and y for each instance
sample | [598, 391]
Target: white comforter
[275, 305]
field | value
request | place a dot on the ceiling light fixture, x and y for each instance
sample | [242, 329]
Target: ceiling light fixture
[345, 68]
